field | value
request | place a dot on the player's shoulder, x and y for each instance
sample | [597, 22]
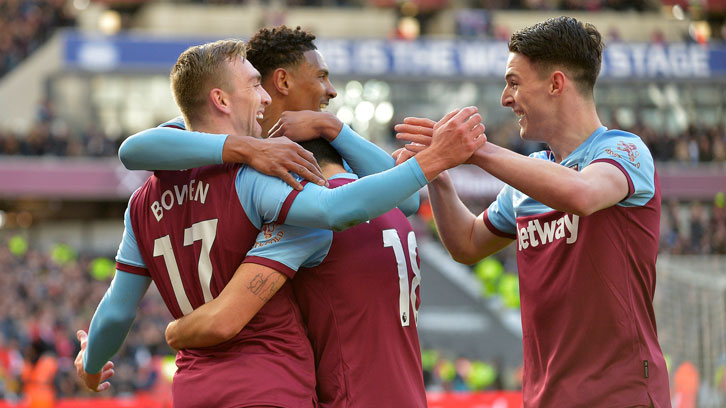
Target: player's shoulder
[618, 143]
[176, 123]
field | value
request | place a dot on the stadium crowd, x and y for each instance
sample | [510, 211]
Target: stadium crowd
[45, 298]
[26, 24]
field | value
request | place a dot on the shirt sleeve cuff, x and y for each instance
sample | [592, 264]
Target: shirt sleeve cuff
[345, 134]
[494, 230]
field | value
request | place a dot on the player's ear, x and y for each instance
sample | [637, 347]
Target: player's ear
[220, 100]
[281, 81]
[557, 83]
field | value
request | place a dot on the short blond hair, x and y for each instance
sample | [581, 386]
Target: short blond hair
[198, 70]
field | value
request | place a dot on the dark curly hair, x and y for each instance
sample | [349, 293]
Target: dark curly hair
[563, 42]
[278, 47]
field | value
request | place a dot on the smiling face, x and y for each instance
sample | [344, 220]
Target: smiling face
[527, 93]
[311, 88]
[248, 99]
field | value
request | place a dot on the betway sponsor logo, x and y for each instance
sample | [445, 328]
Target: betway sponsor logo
[538, 233]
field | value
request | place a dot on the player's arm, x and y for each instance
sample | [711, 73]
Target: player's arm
[364, 157]
[173, 148]
[109, 327]
[464, 235]
[222, 318]
[598, 186]
[276, 257]
[371, 196]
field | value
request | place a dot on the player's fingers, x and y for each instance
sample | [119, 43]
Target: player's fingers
[307, 159]
[464, 114]
[82, 337]
[106, 374]
[275, 130]
[303, 172]
[108, 366]
[415, 147]
[103, 387]
[425, 122]
[449, 115]
[416, 138]
[416, 129]
[289, 179]
[473, 121]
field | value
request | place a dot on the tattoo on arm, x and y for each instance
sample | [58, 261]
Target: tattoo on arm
[264, 287]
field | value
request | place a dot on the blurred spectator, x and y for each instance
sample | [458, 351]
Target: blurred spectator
[26, 24]
[42, 303]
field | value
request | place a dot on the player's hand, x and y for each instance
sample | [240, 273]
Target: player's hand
[279, 156]
[406, 152]
[302, 126]
[95, 382]
[417, 130]
[453, 140]
[170, 335]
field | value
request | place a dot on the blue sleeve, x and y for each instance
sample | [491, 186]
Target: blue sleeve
[113, 318]
[501, 212]
[261, 195]
[292, 246]
[128, 252]
[171, 148]
[356, 202]
[365, 158]
[633, 158]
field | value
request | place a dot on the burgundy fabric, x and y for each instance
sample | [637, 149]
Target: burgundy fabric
[270, 361]
[365, 357]
[587, 309]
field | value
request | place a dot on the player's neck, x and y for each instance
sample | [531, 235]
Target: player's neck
[575, 126]
[330, 169]
[272, 115]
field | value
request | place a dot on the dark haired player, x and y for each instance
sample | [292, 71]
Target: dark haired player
[585, 218]
[295, 75]
[188, 230]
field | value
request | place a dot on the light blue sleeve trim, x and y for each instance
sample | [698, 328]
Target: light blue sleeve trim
[165, 148]
[501, 211]
[366, 158]
[292, 246]
[128, 251]
[113, 319]
[261, 195]
[355, 202]
[633, 155]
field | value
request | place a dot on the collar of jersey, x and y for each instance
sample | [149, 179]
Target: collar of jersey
[584, 145]
[344, 175]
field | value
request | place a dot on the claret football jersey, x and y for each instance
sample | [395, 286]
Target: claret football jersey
[587, 285]
[189, 231]
[359, 293]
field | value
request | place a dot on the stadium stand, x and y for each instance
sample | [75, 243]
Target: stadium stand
[26, 25]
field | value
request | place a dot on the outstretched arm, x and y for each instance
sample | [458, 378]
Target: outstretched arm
[222, 318]
[364, 157]
[168, 148]
[371, 196]
[597, 186]
[464, 235]
[109, 326]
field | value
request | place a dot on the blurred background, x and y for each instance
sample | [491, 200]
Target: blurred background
[79, 76]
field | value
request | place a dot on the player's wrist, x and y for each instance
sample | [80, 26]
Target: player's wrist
[331, 126]
[431, 164]
[240, 149]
